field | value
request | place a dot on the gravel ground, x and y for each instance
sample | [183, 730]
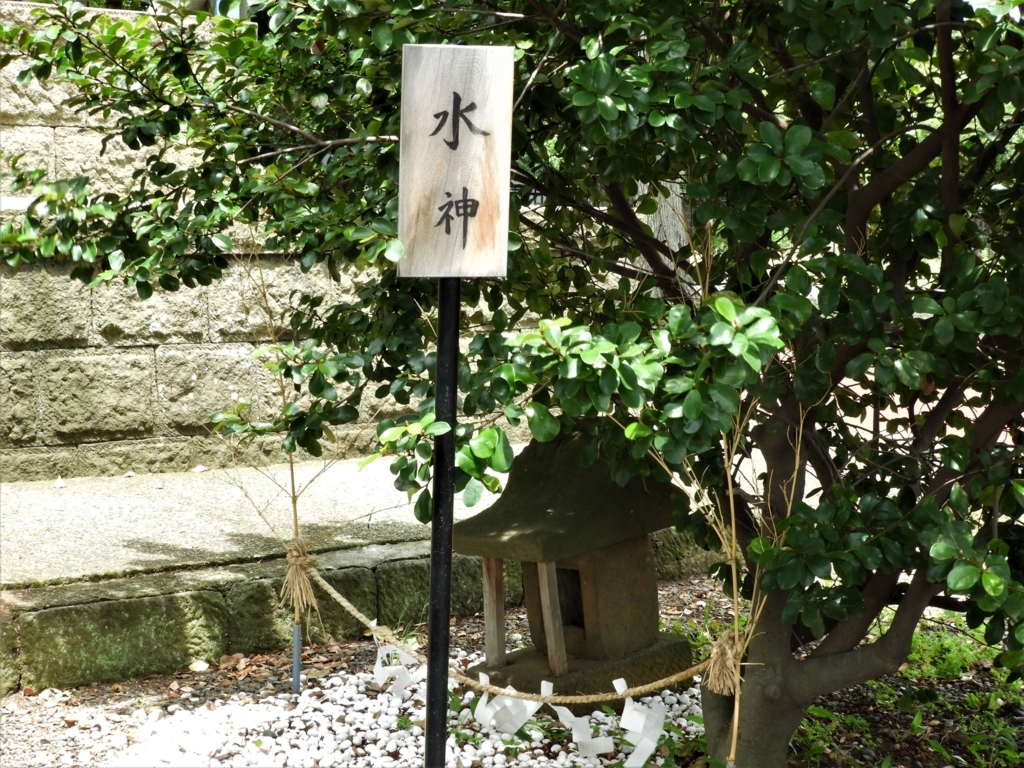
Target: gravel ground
[241, 712]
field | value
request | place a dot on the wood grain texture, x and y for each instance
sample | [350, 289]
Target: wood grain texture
[552, 611]
[453, 189]
[494, 612]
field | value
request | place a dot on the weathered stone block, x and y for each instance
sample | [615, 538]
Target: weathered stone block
[676, 556]
[90, 396]
[120, 317]
[78, 154]
[215, 452]
[19, 406]
[35, 103]
[193, 382]
[33, 143]
[161, 454]
[99, 642]
[257, 293]
[24, 464]
[42, 307]
[258, 622]
[10, 672]
[403, 589]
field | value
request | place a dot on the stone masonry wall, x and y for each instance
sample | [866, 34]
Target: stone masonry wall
[100, 382]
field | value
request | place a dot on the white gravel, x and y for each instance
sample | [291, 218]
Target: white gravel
[345, 720]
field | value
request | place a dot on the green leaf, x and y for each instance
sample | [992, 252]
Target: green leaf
[473, 492]
[721, 334]
[394, 251]
[382, 36]
[944, 331]
[771, 136]
[1018, 491]
[906, 373]
[437, 428]
[942, 550]
[824, 93]
[693, 404]
[726, 308]
[859, 365]
[424, 509]
[464, 460]
[392, 434]
[583, 98]
[501, 459]
[926, 305]
[679, 321]
[963, 576]
[798, 137]
[543, 426]
[483, 443]
[636, 431]
[222, 241]
[992, 583]
[791, 574]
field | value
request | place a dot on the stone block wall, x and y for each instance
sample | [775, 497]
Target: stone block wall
[100, 382]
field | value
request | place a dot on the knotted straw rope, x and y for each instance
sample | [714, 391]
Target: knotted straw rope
[722, 648]
[297, 590]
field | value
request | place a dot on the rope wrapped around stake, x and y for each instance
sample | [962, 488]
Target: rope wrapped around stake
[297, 589]
[384, 634]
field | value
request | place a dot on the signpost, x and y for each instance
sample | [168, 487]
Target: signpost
[456, 143]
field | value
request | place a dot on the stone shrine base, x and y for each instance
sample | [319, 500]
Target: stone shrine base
[526, 668]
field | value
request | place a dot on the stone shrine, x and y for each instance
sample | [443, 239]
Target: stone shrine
[589, 577]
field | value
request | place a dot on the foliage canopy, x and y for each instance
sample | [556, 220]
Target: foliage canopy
[848, 298]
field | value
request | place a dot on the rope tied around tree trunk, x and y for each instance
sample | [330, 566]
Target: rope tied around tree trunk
[721, 674]
[297, 589]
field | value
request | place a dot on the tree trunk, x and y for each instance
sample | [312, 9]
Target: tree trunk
[767, 722]
[769, 709]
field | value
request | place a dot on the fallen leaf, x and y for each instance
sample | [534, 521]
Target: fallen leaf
[128, 474]
[29, 691]
[174, 685]
[199, 666]
[199, 468]
[116, 688]
[70, 722]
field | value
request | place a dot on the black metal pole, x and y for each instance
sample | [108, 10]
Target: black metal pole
[441, 525]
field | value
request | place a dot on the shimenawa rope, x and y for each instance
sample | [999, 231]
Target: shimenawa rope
[302, 568]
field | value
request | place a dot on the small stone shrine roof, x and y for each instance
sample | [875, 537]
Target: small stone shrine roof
[553, 508]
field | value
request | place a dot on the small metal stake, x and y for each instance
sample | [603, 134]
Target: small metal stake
[296, 656]
[441, 525]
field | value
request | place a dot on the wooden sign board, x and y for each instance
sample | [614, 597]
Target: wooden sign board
[456, 146]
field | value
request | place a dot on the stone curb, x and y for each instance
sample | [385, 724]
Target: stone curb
[111, 630]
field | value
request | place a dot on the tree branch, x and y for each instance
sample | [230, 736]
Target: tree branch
[950, 183]
[611, 265]
[987, 428]
[318, 145]
[653, 251]
[937, 416]
[279, 123]
[899, 173]
[552, 18]
[848, 634]
[818, 675]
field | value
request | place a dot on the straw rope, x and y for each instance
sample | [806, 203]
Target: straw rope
[722, 648]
